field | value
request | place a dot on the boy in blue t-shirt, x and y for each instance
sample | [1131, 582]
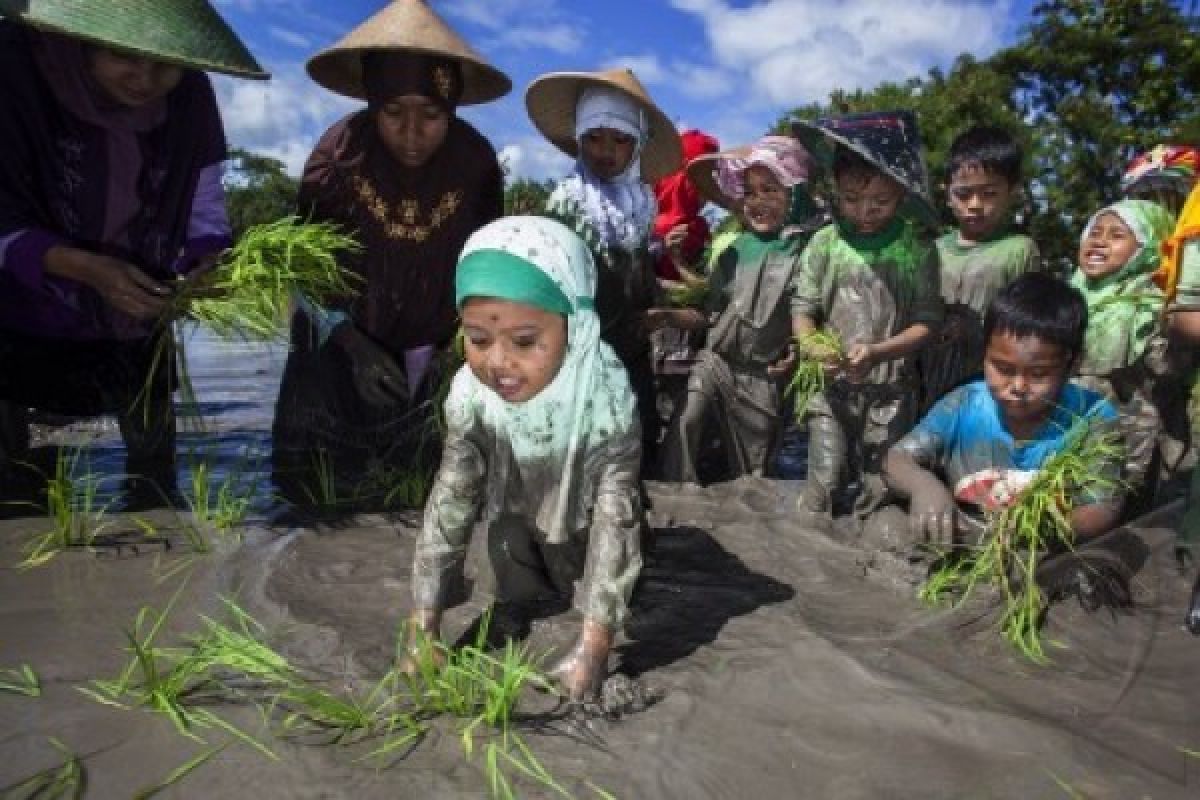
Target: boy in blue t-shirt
[983, 441]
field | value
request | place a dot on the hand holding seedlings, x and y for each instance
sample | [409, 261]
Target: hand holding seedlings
[126, 288]
[378, 378]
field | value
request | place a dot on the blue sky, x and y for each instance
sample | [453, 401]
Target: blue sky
[729, 67]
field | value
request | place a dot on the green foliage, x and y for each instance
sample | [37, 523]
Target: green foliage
[74, 507]
[64, 781]
[1021, 534]
[525, 196]
[816, 351]
[257, 190]
[222, 505]
[1085, 87]
[22, 680]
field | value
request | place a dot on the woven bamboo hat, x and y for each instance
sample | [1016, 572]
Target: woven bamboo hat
[188, 33]
[406, 25]
[551, 101]
[702, 171]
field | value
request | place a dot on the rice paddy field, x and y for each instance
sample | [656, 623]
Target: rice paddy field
[239, 650]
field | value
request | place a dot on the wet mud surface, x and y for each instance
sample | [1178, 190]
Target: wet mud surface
[786, 662]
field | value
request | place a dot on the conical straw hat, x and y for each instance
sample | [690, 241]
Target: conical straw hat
[188, 33]
[406, 25]
[551, 101]
[702, 171]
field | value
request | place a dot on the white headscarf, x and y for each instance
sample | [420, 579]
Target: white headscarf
[586, 404]
[621, 210]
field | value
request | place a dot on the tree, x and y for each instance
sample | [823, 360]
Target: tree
[257, 189]
[525, 196]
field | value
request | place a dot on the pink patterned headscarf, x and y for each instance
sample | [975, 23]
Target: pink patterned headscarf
[784, 156]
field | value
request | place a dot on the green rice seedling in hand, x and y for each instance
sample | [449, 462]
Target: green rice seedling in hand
[249, 293]
[816, 351]
[689, 293]
[65, 781]
[74, 508]
[22, 680]
[1021, 534]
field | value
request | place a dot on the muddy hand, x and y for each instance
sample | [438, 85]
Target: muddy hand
[859, 361]
[581, 671]
[931, 514]
[1192, 620]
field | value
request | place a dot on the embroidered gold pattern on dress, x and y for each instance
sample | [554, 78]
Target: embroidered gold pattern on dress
[407, 226]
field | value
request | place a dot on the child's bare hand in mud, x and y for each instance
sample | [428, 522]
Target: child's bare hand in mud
[619, 696]
[860, 360]
[931, 514]
[581, 671]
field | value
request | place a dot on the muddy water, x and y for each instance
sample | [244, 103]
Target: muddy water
[790, 663]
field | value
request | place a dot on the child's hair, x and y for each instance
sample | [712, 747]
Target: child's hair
[850, 166]
[994, 149]
[1043, 306]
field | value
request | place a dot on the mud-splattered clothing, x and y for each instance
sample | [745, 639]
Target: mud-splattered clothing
[971, 277]
[478, 480]
[749, 305]
[1125, 347]
[866, 289]
[965, 434]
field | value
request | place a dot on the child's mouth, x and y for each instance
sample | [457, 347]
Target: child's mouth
[507, 387]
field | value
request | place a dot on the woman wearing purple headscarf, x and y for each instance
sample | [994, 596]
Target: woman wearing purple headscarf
[111, 151]
[411, 180]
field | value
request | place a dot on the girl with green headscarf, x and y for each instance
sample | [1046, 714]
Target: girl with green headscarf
[1124, 351]
[543, 445]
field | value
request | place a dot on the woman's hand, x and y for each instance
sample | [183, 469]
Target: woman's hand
[377, 377]
[860, 360]
[119, 283]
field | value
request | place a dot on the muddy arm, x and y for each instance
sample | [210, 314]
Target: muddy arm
[931, 506]
[1093, 520]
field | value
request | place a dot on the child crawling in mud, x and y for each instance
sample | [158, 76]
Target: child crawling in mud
[543, 445]
[998, 431]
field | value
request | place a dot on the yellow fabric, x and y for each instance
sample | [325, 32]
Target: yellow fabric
[1188, 227]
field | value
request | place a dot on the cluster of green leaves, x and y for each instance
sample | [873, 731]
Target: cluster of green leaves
[257, 190]
[525, 196]
[477, 690]
[815, 352]
[689, 293]
[1085, 87]
[75, 508]
[1021, 534]
[66, 780]
[222, 505]
[22, 680]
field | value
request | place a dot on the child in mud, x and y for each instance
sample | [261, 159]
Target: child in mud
[980, 258]
[622, 143]
[748, 314]
[995, 432]
[1125, 348]
[543, 444]
[870, 278]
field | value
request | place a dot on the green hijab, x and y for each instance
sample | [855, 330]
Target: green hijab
[1123, 307]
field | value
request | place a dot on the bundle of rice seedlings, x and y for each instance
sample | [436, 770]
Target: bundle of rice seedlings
[22, 680]
[221, 505]
[249, 293]
[68, 779]
[1021, 534]
[74, 507]
[689, 293]
[816, 351]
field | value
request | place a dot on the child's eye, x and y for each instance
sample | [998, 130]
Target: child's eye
[524, 342]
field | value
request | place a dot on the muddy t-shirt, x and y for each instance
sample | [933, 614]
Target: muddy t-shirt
[964, 435]
[869, 288]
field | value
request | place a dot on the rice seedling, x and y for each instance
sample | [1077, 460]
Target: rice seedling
[1019, 535]
[22, 680]
[178, 774]
[249, 293]
[67, 779]
[221, 505]
[689, 293]
[75, 509]
[181, 682]
[817, 350]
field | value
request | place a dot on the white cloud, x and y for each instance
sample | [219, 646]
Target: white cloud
[534, 158]
[290, 37]
[282, 117]
[796, 51]
[697, 81]
[520, 24]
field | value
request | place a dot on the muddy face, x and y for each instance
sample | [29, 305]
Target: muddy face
[766, 200]
[980, 201]
[607, 152]
[513, 349]
[1024, 375]
[1108, 246]
[868, 202]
